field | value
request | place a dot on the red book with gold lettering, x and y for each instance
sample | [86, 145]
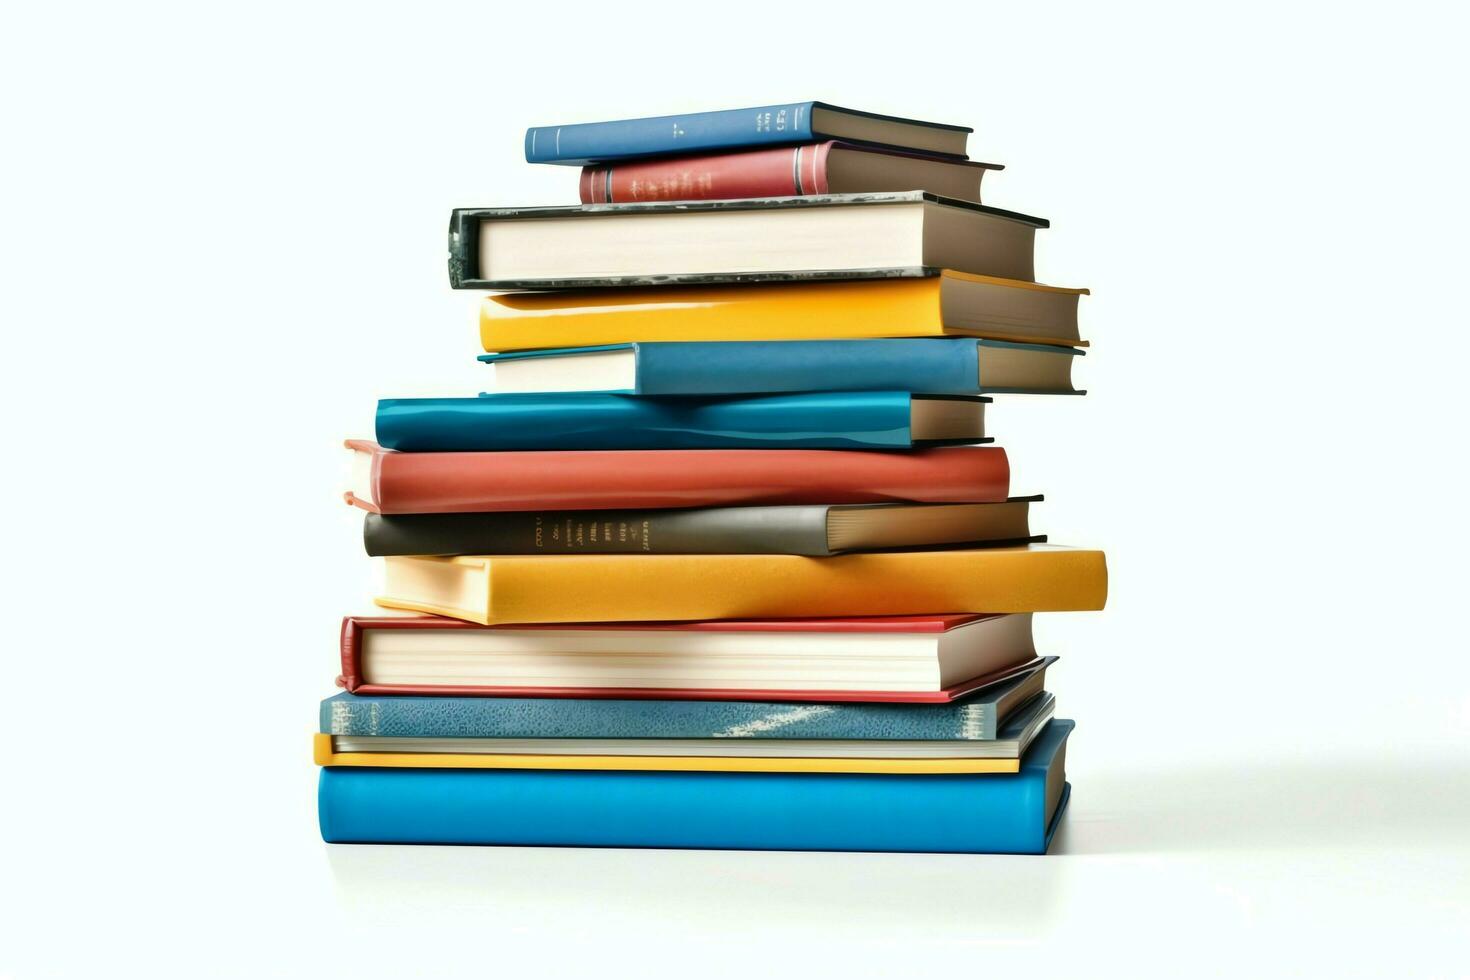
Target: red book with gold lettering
[387, 482]
[919, 659]
[787, 171]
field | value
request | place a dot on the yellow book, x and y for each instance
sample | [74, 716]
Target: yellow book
[641, 587]
[947, 304]
[325, 754]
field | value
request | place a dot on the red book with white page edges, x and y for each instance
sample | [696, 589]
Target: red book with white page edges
[986, 649]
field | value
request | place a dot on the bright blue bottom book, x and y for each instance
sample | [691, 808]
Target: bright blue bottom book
[1005, 814]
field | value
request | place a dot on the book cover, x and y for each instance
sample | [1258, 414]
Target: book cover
[1015, 813]
[624, 588]
[1003, 309]
[941, 366]
[976, 716]
[779, 172]
[597, 420]
[728, 129]
[460, 482]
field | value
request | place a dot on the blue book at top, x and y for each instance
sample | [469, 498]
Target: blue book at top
[995, 813]
[951, 366]
[599, 420]
[736, 129]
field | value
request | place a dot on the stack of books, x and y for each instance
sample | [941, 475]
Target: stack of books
[721, 556]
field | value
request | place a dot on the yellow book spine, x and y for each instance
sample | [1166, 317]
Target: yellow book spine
[325, 755]
[610, 588]
[803, 311]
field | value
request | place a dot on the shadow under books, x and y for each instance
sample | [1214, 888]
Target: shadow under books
[1268, 808]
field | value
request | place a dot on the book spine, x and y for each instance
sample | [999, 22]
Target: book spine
[817, 420]
[857, 309]
[624, 139]
[926, 366]
[479, 717]
[670, 588]
[784, 172]
[350, 645]
[962, 814]
[729, 530]
[416, 483]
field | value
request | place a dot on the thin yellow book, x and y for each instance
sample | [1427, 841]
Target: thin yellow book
[947, 304]
[493, 590]
[325, 754]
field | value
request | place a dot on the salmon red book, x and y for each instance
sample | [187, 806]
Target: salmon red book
[387, 482]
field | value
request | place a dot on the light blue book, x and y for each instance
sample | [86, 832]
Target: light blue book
[577, 144]
[995, 813]
[936, 365]
[597, 420]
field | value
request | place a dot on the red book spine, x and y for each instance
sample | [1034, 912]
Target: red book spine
[350, 645]
[789, 171]
[470, 482]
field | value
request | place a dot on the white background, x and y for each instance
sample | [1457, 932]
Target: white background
[224, 237]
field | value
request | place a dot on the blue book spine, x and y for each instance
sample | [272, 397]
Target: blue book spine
[728, 129]
[971, 718]
[599, 420]
[921, 366]
[764, 811]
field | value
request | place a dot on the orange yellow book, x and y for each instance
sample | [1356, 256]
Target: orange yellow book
[493, 590]
[947, 304]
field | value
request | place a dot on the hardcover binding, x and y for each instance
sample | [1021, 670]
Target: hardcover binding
[789, 171]
[464, 239]
[441, 483]
[1016, 813]
[353, 627]
[701, 132]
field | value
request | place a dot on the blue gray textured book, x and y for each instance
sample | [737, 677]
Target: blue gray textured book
[982, 715]
[953, 366]
[578, 144]
[597, 420]
[994, 813]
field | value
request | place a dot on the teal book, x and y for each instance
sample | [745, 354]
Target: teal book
[928, 365]
[598, 420]
[1013, 813]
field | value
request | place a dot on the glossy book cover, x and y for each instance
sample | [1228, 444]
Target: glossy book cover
[599, 420]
